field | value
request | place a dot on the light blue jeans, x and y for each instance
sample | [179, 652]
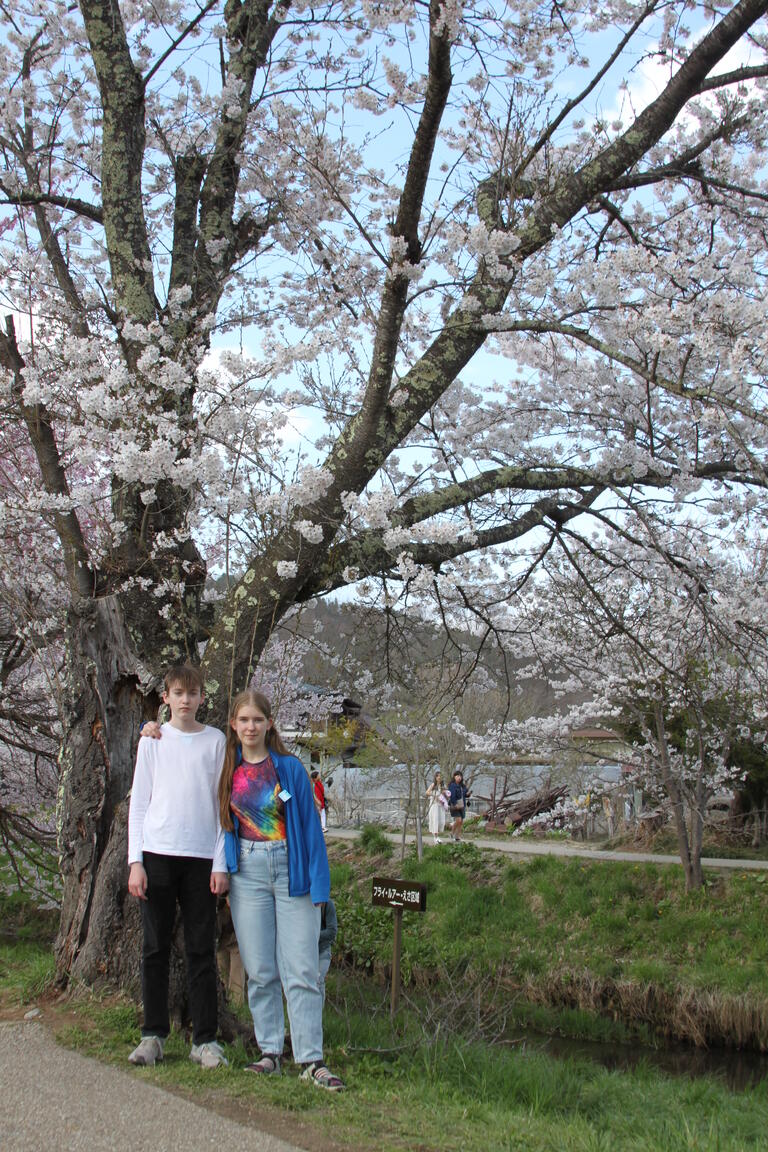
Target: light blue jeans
[278, 936]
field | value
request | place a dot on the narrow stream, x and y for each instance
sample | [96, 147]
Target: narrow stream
[737, 1069]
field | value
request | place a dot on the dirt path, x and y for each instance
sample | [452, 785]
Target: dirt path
[55, 1100]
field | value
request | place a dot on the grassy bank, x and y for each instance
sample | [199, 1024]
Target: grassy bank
[410, 1092]
[595, 947]
[718, 844]
[496, 934]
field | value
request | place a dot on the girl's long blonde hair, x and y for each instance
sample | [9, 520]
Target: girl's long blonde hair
[272, 740]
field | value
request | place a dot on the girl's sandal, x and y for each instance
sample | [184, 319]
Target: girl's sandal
[266, 1065]
[322, 1077]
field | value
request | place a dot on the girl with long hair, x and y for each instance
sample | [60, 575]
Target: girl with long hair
[279, 880]
[437, 794]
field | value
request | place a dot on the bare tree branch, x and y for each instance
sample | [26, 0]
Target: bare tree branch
[28, 198]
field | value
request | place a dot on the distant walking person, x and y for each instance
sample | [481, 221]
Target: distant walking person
[319, 790]
[458, 800]
[437, 794]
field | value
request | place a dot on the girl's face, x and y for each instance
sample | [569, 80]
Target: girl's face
[250, 725]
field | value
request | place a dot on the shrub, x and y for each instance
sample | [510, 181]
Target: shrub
[374, 841]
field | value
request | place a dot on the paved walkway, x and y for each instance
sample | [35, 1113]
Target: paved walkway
[54, 1100]
[521, 847]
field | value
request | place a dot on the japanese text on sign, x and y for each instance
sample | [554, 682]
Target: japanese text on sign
[399, 894]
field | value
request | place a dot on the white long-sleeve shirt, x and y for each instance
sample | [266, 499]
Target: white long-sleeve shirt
[174, 808]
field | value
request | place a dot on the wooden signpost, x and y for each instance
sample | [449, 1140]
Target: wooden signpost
[398, 894]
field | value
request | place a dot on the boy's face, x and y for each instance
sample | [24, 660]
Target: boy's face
[183, 702]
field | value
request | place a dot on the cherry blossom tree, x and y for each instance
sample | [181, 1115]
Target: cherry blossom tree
[29, 738]
[670, 650]
[310, 297]
[419, 729]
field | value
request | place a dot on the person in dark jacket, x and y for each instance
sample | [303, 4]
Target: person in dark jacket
[329, 927]
[458, 801]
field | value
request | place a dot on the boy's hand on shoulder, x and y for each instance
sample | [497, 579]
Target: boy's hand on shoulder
[219, 883]
[151, 729]
[137, 881]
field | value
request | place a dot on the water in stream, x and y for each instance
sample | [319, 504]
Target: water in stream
[738, 1069]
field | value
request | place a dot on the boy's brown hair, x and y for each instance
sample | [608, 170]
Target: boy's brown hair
[186, 675]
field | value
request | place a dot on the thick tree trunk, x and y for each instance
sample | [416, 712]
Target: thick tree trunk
[106, 706]
[110, 952]
[100, 934]
[690, 856]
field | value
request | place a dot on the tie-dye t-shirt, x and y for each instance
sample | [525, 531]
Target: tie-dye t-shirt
[256, 803]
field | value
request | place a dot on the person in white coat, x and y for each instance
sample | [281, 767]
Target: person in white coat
[437, 794]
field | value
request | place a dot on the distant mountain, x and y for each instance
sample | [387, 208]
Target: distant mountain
[347, 639]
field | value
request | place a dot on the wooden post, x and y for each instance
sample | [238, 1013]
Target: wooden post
[397, 948]
[398, 894]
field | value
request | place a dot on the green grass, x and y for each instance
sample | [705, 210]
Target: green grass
[26, 956]
[549, 914]
[425, 1084]
[588, 940]
[26, 971]
[374, 841]
[406, 1091]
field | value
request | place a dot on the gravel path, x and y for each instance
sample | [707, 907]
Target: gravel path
[54, 1100]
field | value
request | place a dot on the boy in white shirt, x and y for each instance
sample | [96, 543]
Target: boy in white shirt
[176, 854]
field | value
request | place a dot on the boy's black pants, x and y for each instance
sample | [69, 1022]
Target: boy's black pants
[186, 879]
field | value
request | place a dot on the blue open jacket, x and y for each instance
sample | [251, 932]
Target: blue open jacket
[308, 870]
[458, 792]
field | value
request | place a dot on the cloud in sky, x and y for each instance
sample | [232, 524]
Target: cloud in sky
[301, 426]
[652, 73]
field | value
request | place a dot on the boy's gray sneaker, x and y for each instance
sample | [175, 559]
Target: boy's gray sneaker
[208, 1055]
[148, 1052]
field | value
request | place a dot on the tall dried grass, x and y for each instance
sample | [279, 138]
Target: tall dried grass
[704, 1018]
